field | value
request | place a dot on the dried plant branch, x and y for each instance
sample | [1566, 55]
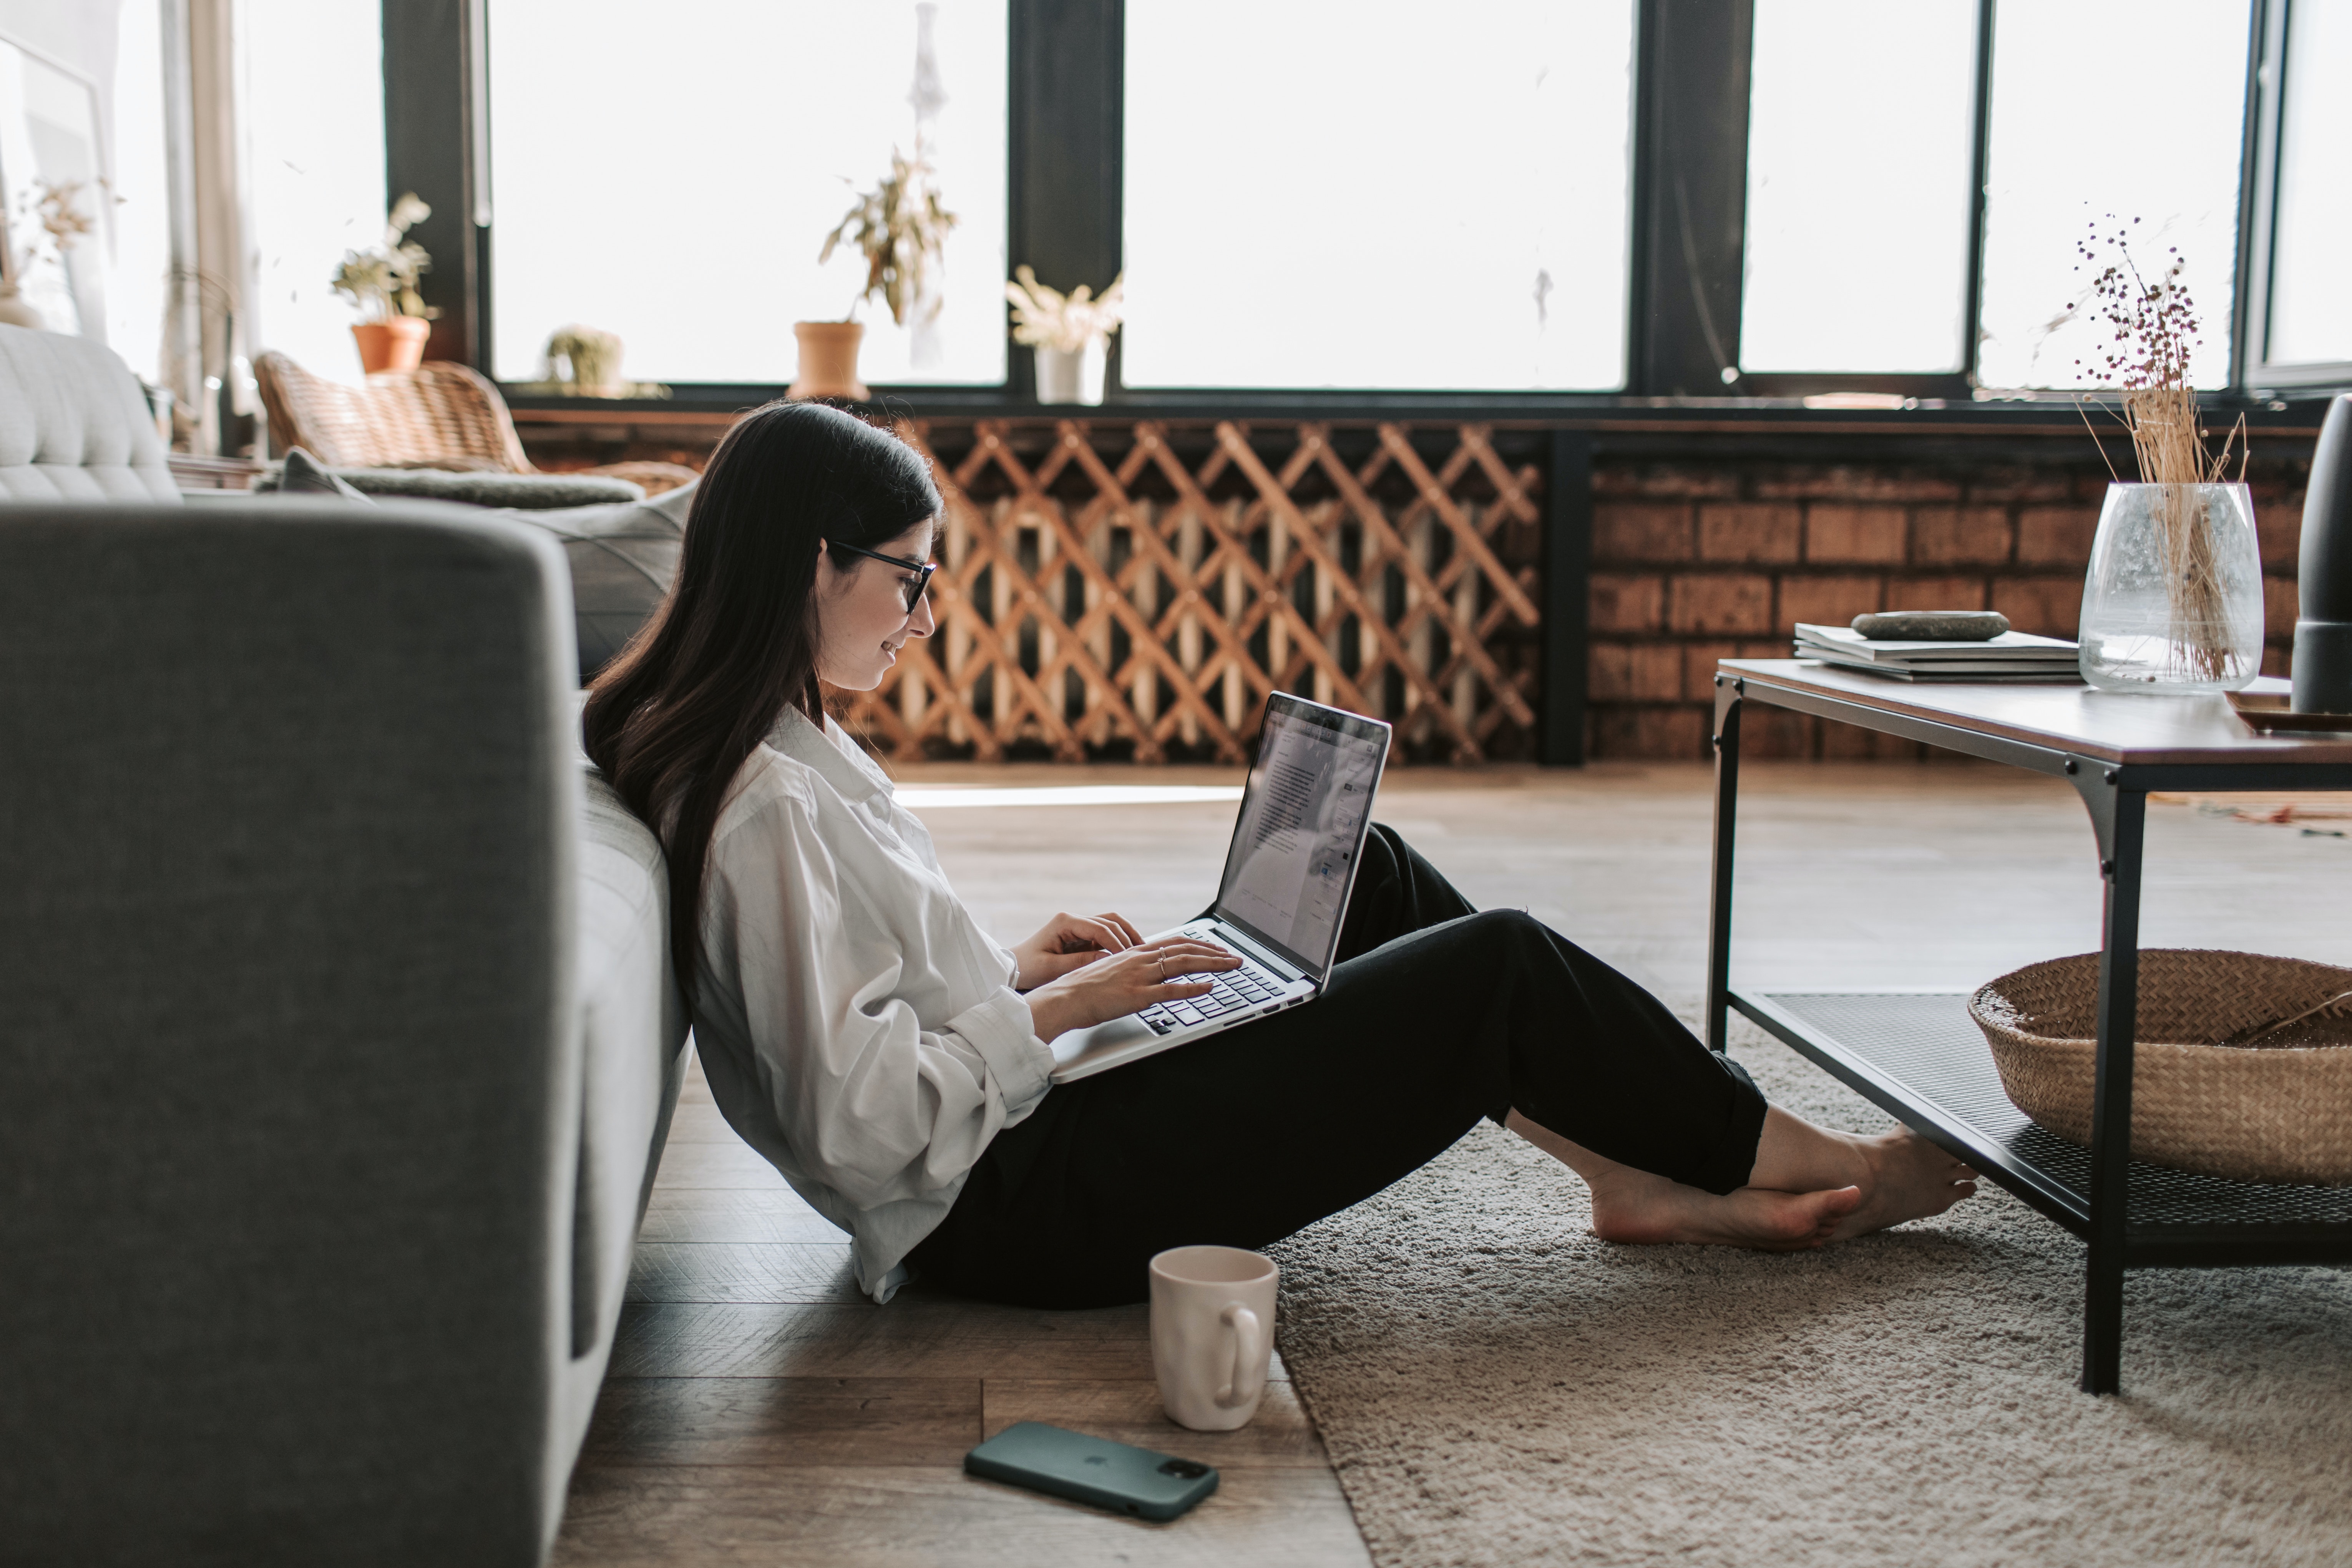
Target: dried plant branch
[903, 229]
[61, 214]
[57, 206]
[2154, 330]
[2101, 446]
[1048, 318]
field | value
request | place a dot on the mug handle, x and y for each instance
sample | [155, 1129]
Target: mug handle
[1249, 1357]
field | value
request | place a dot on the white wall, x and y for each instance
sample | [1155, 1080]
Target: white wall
[80, 35]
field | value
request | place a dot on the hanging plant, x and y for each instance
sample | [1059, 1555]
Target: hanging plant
[902, 229]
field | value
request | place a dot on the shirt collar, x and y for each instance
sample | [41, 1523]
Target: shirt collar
[831, 753]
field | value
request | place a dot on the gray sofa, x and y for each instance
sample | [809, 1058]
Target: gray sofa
[340, 1039]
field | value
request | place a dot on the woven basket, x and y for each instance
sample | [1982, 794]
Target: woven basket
[2215, 1089]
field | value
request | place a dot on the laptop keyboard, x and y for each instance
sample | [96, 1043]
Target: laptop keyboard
[1239, 990]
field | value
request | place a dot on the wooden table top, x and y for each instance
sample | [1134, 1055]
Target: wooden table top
[2108, 725]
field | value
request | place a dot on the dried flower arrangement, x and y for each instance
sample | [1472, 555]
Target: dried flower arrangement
[902, 227]
[2153, 327]
[61, 214]
[381, 280]
[1045, 318]
[57, 206]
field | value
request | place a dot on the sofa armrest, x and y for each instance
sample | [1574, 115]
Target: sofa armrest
[292, 1093]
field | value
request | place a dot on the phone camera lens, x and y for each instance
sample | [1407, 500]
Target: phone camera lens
[1186, 1469]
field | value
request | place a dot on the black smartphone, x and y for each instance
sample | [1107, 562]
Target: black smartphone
[1095, 1470]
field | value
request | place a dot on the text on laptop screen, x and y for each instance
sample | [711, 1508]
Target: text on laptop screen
[1287, 873]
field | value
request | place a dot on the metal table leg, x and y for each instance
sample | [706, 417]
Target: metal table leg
[1728, 694]
[2119, 817]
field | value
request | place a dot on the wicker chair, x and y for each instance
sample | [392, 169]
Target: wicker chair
[439, 415]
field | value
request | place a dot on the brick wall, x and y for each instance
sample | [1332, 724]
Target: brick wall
[1697, 557]
[1696, 561]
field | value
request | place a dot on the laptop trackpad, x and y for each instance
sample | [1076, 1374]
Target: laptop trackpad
[1102, 1037]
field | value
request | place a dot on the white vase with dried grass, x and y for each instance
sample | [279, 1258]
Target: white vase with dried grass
[1071, 334]
[2173, 600]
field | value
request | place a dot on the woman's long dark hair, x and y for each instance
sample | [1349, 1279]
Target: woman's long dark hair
[671, 719]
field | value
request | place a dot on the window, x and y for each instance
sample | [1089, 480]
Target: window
[1861, 150]
[2310, 306]
[1435, 198]
[671, 178]
[1885, 198]
[2129, 108]
[313, 102]
[142, 218]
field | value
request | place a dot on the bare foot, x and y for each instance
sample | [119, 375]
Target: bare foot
[1814, 1186]
[1910, 1178]
[1636, 1207]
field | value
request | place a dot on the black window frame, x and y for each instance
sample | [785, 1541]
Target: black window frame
[2268, 82]
[1066, 62]
[1954, 385]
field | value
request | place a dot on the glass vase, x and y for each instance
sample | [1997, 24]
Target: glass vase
[2173, 601]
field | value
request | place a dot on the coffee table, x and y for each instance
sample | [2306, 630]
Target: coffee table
[1919, 1055]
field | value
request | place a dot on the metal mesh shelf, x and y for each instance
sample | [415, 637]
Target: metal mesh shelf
[1924, 1045]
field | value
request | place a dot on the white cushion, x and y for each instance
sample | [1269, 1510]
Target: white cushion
[74, 425]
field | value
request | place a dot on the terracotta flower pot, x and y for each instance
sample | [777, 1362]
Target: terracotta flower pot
[395, 343]
[829, 361]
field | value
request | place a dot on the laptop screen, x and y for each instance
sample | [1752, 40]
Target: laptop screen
[1303, 821]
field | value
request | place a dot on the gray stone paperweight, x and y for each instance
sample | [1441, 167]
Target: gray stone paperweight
[1932, 625]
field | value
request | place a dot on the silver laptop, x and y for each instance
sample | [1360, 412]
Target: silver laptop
[1289, 874]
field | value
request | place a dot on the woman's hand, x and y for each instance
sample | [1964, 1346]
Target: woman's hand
[1127, 982]
[1066, 942]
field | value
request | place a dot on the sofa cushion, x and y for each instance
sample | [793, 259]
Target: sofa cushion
[622, 559]
[632, 1034]
[533, 492]
[301, 474]
[74, 425]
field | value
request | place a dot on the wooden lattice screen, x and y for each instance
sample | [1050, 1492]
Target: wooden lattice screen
[1112, 589]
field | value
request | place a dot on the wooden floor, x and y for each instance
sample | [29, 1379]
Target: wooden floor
[757, 1411]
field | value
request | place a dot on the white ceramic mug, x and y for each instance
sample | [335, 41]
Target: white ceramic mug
[1211, 1333]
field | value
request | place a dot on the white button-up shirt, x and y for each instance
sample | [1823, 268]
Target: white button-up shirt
[857, 1027]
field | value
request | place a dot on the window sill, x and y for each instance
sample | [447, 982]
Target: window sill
[2056, 414]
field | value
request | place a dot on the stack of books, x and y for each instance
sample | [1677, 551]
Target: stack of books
[2010, 657]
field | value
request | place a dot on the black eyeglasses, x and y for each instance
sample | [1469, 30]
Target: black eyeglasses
[923, 569]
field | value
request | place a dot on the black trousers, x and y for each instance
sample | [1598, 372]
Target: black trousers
[1435, 1015]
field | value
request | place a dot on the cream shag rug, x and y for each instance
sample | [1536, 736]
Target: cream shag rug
[1497, 1386]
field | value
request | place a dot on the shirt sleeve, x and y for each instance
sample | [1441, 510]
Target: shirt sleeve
[870, 1102]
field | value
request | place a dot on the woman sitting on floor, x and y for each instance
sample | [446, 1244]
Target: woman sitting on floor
[860, 1030]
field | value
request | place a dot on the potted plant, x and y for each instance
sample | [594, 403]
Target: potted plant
[1070, 332]
[381, 282]
[902, 228]
[2172, 604]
